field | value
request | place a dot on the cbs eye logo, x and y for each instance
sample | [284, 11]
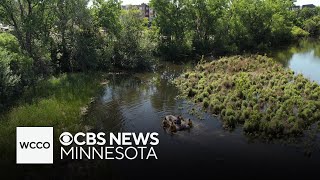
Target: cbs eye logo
[66, 138]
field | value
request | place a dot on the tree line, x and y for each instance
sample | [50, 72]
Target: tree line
[221, 27]
[57, 36]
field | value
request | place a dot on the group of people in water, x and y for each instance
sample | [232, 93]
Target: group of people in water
[176, 123]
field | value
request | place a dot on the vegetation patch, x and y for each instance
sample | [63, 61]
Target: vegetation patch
[56, 102]
[255, 91]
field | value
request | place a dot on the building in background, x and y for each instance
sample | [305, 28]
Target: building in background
[5, 28]
[152, 14]
[296, 8]
[308, 6]
[145, 9]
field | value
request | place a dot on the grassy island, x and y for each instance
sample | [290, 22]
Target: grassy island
[268, 99]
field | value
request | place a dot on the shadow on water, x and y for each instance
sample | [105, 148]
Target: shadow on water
[138, 103]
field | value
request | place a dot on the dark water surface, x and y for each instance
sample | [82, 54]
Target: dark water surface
[138, 103]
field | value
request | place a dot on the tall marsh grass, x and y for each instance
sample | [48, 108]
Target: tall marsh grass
[54, 102]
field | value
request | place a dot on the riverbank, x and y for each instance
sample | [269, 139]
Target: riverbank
[256, 92]
[58, 101]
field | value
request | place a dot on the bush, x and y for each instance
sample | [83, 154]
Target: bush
[192, 92]
[9, 42]
[312, 25]
[9, 81]
[206, 103]
[15, 74]
[297, 32]
[251, 126]
[230, 121]
[15, 70]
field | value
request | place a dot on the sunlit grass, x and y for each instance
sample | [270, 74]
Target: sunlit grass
[55, 102]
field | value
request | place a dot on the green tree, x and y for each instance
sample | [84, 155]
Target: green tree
[9, 42]
[73, 36]
[28, 19]
[258, 24]
[173, 20]
[133, 48]
[312, 25]
[107, 14]
[206, 23]
[308, 20]
[15, 74]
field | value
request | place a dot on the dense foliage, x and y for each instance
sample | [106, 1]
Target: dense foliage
[133, 50]
[59, 102]
[71, 35]
[15, 70]
[255, 91]
[56, 36]
[222, 26]
[80, 35]
[308, 19]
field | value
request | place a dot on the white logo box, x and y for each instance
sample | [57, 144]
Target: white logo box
[36, 137]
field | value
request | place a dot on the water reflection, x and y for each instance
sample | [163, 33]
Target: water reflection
[137, 102]
[303, 57]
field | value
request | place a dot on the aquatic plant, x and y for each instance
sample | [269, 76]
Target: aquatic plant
[192, 92]
[255, 91]
[206, 103]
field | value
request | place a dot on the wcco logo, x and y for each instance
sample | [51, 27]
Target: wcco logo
[34, 145]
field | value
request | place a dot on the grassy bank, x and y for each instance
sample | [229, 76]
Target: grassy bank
[255, 91]
[58, 102]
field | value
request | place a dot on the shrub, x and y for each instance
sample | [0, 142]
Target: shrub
[9, 81]
[276, 127]
[15, 73]
[251, 126]
[216, 109]
[245, 114]
[297, 32]
[9, 42]
[200, 98]
[229, 112]
[230, 121]
[192, 92]
[312, 25]
[206, 103]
